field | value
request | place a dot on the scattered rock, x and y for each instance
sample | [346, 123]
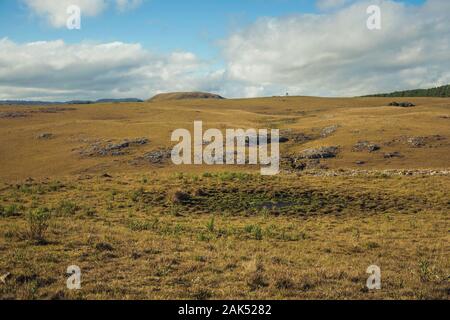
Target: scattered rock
[297, 137]
[200, 193]
[328, 131]
[390, 155]
[376, 173]
[54, 110]
[416, 142]
[179, 197]
[103, 246]
[112, 149]
[45, 136]
[23, 114]
[158, 156]
[402, 104]
[13, 115]
[299, 164]
[365, 146]
[360, 163]
[320, 153]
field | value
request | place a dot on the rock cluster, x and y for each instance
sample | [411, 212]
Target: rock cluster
[320, 153]
[13, 115]
[402, 104]
[375, 173]
[45, 136]
[365, 146]
[297, 137]
[394, 154]
[113, 149]
[158, 156]
[419, 142]
[328, 131]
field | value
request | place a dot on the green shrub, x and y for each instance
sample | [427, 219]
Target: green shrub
[175, 211]
[136, 195]
[203, 237]
[255, 230]
[10, 211]
[139, 225]
[55, 186]
[38, 222]
[248, 228]
[66, 208]
[210, 225]
[257, 233]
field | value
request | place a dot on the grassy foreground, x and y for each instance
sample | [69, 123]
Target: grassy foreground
[91, 186]
[225, 236]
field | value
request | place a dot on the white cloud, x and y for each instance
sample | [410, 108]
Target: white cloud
[55, 12]
[55, 70]
[335, 54]
[330, 4]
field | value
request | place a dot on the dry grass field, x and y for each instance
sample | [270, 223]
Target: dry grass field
[91, 185]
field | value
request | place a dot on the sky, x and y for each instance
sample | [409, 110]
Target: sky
[236, 48]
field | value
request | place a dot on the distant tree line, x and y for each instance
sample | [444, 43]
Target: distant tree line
[443, 91]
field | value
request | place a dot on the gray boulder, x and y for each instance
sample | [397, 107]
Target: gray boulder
[320, 153]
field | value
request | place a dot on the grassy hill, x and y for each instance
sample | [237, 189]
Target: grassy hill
[443, 91]
[91, 185]
[185, 96]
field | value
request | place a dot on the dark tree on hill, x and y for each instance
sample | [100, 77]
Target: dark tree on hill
[443, 91]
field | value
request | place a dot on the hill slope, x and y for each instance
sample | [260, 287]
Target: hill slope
[37, 141]
[185, 96]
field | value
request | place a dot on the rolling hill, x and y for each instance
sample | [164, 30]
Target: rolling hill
[185, 96]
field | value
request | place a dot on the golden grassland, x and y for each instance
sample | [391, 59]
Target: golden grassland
[23, 155]
[156, 231]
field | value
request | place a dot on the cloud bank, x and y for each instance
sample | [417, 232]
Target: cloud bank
[335, 54]
[330, 54]
[55, 70]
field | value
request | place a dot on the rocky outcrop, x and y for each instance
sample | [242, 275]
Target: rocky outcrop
[402, 104]
[99, 149]
[320, 153]
[328, 131]
[365, 146]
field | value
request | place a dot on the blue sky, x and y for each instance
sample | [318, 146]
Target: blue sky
[233, 47]
[162, 25]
